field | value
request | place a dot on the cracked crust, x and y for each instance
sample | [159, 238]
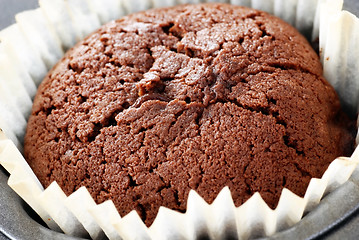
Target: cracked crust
[191, 97]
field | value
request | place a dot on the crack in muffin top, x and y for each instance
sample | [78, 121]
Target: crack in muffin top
[190, 97]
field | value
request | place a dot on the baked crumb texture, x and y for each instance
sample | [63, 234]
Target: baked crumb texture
[191, 97]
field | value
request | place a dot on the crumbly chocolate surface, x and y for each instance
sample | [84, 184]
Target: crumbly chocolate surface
[191, 97]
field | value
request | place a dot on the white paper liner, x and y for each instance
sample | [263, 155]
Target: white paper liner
[305, 16]
[107, 10]
[40, 35]
[219, 1]
[10, 80]
[53, 199]
[19, 46]
[189, 1]
[264, 5]
[163, 3]
[78, 215]
[21, 73]
[9, 132]
[327, 9]
[132, 6]
[132, 227]
[246, 3]
[84, 20]
[59, 18]
[10, 114]
[344, 28]
[105, 214]
[286, 10]
[170, 225]
[22, 180]
[78, 203]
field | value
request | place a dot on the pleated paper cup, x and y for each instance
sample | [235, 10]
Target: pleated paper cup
[29, 48]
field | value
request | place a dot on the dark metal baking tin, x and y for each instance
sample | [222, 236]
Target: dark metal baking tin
[336, 217]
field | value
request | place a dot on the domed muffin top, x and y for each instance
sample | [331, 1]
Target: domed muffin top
[190, 97]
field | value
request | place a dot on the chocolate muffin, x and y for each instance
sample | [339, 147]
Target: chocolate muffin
[190, 97]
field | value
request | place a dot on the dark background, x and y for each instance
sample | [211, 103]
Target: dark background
[8, 9]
